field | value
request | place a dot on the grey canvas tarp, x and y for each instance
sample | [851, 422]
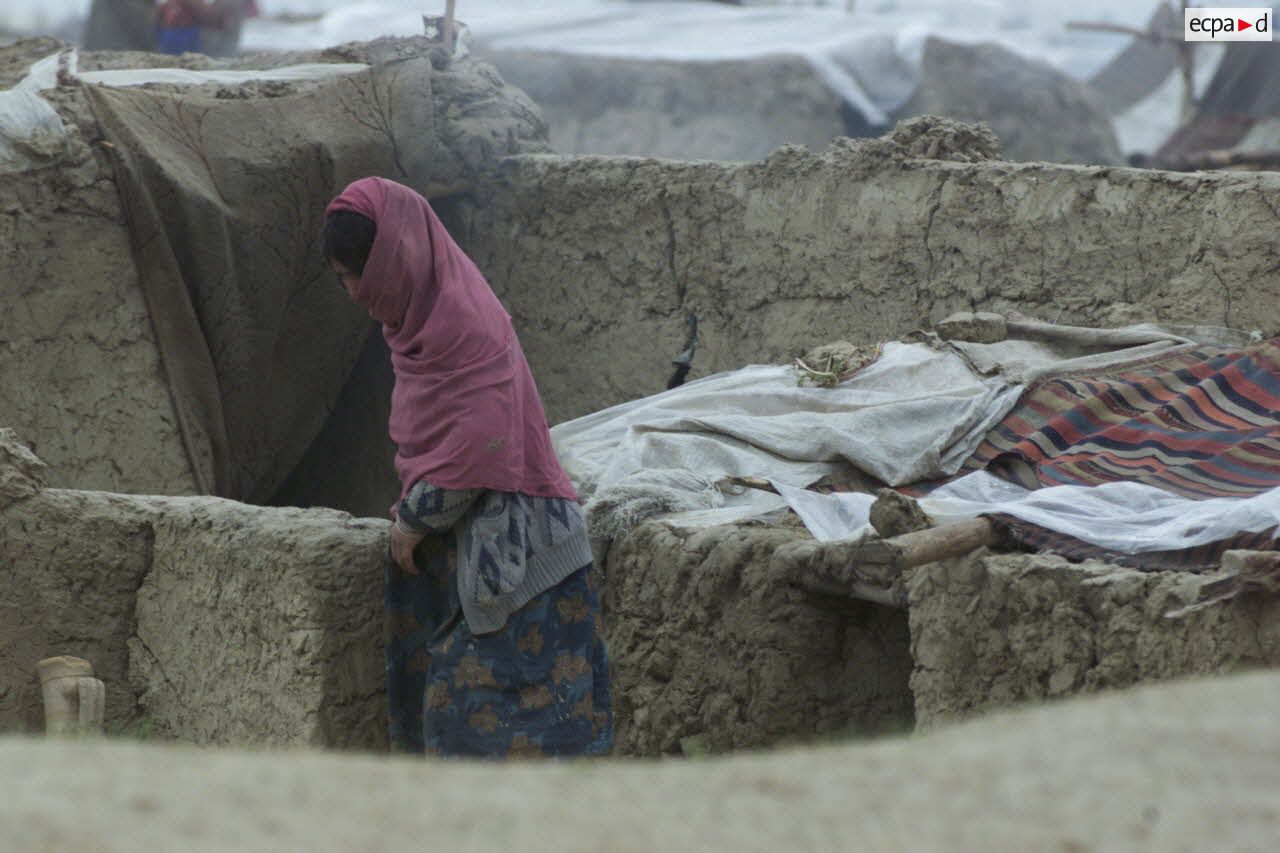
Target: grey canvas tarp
[1138, 70]
[1244, 84]
[225, 188]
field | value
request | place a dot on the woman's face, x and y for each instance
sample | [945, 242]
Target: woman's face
[350, 281]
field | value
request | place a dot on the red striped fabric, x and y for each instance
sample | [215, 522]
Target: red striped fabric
[1199, 423]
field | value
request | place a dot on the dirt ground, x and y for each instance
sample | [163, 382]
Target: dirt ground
[1179, 767]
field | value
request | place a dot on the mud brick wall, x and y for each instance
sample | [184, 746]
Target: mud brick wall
[209, 621]
[712, 649]
[989, 631]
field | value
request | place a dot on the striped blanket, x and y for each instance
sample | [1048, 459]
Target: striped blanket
[1203, 422]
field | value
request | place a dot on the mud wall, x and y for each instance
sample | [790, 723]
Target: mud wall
[989, 631]
[82, 373]
[1189, 766]
[209, 621]
[1038, 112]
[713, 646]
[215, 622]
[261, 626]
[221, 623]
[600, 259]
[70, 564]
[713, 650]
[1094, 774]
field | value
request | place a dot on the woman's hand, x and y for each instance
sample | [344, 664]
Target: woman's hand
[402, 544]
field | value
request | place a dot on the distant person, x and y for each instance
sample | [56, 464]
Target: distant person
[224, 40]
[200, 26]
[494, 646]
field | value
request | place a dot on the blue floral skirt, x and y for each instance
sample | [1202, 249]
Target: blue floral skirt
[537, 687]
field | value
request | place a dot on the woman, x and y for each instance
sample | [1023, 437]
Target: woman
[494, 643]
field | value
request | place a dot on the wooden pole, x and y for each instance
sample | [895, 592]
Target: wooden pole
[753, 483]
[449, 35]
[873, 571]
[924, 546]
[1186, 52]
[1121, 29]
[1187, 64]
[1262, 159]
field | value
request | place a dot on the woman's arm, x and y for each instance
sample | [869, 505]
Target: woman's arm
[426, 509]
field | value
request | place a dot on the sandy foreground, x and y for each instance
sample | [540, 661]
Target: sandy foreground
[1185, 766]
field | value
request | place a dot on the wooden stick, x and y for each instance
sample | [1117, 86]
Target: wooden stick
[450, 7]
[873, 571]
[1262, 158]
[1186, 54]
[1187, 68]
[1136, 32]
[924, 546]
[753, 483]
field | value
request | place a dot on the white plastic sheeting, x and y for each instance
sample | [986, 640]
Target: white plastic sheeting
[1127, 517]
[1035, 349]
[186, 77]
[868, 57]
[914, 414]
[31, 130]
[840, 515]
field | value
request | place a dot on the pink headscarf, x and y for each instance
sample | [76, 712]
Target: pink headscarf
[465, 413]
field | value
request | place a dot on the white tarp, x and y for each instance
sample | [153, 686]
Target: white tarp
[839, 515]
[1126, 517]
[914, 414]
[188, 77]
[31, 131]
